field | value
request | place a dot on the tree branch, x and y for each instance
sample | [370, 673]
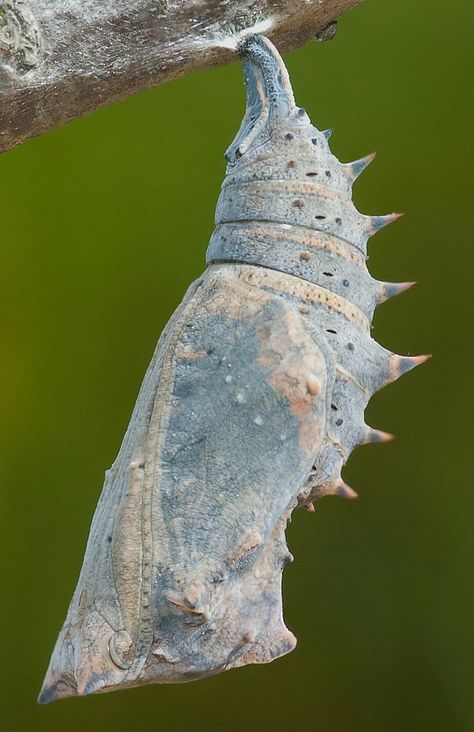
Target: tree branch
[60, 59]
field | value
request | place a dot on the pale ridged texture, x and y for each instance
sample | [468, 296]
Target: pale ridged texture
[253, 402]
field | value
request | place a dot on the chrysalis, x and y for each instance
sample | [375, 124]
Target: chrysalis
[252, 404]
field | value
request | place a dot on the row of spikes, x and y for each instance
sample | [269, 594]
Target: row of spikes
[399, 366]
[353, 170]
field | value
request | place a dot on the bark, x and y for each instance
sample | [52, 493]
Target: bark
[60, 59]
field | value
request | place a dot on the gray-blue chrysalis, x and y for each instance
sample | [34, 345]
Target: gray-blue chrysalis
[252, 403]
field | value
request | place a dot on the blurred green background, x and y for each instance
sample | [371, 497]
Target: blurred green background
[103, 225]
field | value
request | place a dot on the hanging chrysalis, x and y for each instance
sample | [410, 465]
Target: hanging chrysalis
[252, 404]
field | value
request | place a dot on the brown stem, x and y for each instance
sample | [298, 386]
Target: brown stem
[60, 59]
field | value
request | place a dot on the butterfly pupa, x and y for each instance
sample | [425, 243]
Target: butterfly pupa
[252, 403]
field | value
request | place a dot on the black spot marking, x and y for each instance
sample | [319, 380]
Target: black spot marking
[314, 140]
[328, 173]
[350, 347]
[330, 330]
[345, 283]
[288, 136]
[338, 221]
[328, 274]
[109, 538]
[301, 112]
[333, 407]
[320, 217]
[339, 422]
[310, 175]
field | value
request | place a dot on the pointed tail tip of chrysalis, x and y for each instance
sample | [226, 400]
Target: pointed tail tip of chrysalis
[61, 683]
[52, 691]
[63, 679]
[44, 697]
[59, 679]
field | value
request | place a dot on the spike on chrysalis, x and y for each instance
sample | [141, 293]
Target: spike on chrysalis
[357, 167]
[373, 435]
[392, 289]
[407, 363]
[400, 365]
[327, 133]
[375, 223]
[345, 491]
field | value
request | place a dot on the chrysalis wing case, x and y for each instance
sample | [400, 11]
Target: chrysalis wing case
[252, 403]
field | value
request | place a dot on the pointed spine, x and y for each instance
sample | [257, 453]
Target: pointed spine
[400, 365]
[373, 435]
[388, 290]
[357, 167]
[327, 133]
[345, 491]
[375, 223]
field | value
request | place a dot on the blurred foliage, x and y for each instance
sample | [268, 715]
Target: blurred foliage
[104, 223]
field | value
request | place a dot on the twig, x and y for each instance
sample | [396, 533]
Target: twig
[60, 59]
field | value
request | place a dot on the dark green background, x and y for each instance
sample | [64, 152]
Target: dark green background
[103, 224]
